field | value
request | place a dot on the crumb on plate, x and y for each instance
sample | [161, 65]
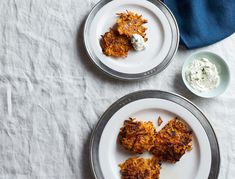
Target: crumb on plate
[159, 121]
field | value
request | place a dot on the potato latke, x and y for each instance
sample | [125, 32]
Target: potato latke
[137, 136]
[114, 44]
[140, 168]
[129, 23]
[172, 141]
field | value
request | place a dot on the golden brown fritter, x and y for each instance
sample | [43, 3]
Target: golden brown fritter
[140, 168]
[114, 44]
[129, 23]
[172, 141]
[137, 136]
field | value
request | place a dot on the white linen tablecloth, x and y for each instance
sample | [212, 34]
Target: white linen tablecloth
[51, 96]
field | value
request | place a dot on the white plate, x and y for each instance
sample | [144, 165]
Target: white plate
[162, 36]
[200, 163]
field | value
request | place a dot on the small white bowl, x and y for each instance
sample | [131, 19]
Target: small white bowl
[222, 68]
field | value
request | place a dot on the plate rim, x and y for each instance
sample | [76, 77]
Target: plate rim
[142, 94]
[136, 76]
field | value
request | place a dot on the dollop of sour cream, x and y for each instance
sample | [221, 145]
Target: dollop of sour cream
[137, 42]
[202, 75]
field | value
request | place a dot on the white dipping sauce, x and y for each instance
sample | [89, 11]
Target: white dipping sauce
[137, 42]
[202, 75]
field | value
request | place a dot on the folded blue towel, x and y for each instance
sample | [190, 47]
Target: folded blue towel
[203, 22]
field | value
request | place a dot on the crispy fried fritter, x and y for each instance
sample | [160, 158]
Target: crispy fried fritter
[129, 23]
[137, 136]
[172, 141]
[140, 168]
[114, 44]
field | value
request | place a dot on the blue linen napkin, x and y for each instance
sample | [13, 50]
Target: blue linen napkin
[203, 22]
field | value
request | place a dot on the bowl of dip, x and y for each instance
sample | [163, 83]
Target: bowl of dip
[206, 74]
